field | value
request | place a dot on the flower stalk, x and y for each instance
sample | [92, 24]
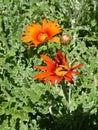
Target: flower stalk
[67, 94]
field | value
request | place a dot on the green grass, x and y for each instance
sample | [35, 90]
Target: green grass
[25, 103]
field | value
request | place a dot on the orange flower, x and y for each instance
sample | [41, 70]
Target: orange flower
[37, 34]
[57, 70]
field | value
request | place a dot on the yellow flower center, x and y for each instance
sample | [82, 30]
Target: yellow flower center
[43, 37]
[61, 70]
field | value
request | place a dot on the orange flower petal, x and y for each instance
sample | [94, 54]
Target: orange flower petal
[69, 78]
[48, 60]
[51, 28]
[55, 39]
[53, 79]
[61, 60]
[78, 66]
[29, 28]
[26, 38]
[76, 73]
[42, 75]
[32, 34]
[41, 67]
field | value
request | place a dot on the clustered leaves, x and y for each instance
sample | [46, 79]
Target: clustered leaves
[25, 103]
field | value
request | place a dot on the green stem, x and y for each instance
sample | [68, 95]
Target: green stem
[67, 95]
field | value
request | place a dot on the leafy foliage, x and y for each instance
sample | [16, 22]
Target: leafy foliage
[25, 103]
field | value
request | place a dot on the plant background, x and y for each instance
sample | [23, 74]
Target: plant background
[25, 103]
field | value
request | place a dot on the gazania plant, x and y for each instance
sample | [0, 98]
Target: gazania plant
[58, 70]
[48, 64]
[38, 34]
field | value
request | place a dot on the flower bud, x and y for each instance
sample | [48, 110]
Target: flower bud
[65, 39]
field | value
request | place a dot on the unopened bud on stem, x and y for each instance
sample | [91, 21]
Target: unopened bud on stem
[65, 39]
